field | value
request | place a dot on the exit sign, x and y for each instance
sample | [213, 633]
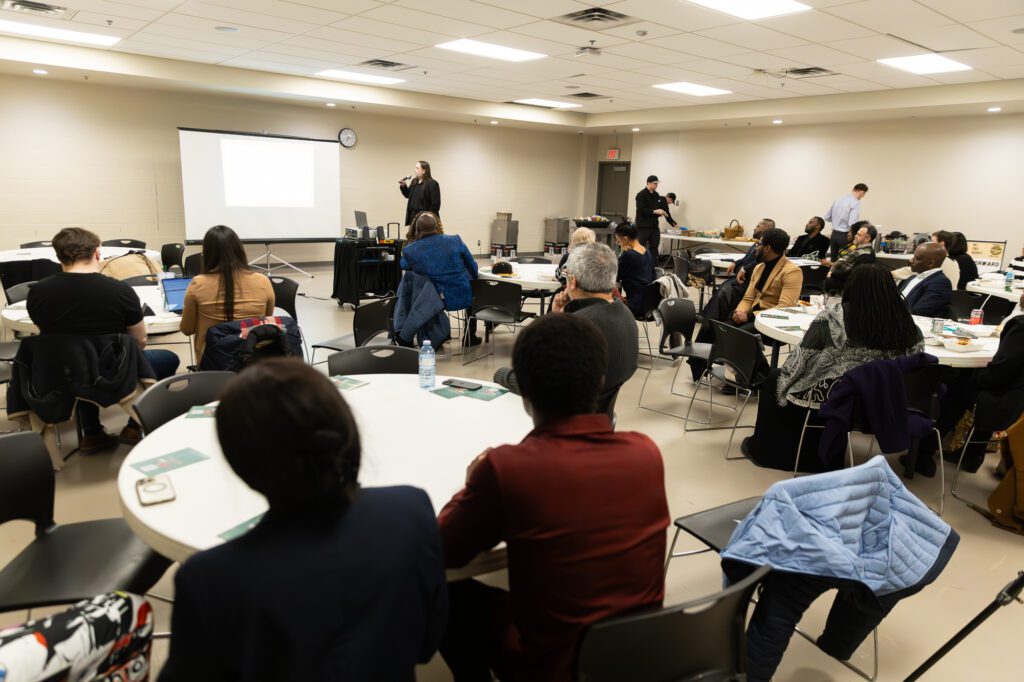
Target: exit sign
[612, 154]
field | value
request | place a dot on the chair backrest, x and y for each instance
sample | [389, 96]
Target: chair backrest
[126, 243]
[705, 249]
[193, 265]
[171, 254]
[703, 270]
[26, 480]
[491, 293]
[996, 309]
[650, 300]
[173, 396]
[814, 279]
[681, 267]
[372, 319]
[678, 316]
[142, 281]
[606, 402]
[36, 245]
[285, 291]
[922, 385]
[374, 360]
[18, 293]
[963, 302]
[703, 638]
[537, 260]
[737, 349]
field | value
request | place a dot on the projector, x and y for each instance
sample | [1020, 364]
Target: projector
[588, 51]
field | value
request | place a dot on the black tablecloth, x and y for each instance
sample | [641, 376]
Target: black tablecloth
[361, 271]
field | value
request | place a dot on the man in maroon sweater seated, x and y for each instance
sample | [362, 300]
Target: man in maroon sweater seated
[581, 508]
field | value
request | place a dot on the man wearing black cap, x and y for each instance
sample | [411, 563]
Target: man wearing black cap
[648, 210]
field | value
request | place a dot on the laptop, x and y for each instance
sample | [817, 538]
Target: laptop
[361, 219]
[174, 293]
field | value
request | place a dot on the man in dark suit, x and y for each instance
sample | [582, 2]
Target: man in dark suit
[648, 210]
[928, 292]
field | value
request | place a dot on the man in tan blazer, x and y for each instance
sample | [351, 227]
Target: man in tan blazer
[775, 281]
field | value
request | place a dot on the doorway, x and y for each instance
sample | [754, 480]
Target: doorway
[613, 189]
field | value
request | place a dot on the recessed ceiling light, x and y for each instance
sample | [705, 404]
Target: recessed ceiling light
[330, 104]
[359, 77]
[636, 130]
[40, 72]
[475, 47]
[754, 9]
[693, 89]
[994, 110]
[925, 63]
[494, 123]
[777, 122]
[226, 29]
[533, 101]
[61, 34]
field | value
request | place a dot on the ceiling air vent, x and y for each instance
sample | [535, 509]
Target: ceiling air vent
[587, 95]
[385, 64]
[809, 72]
[596, 19]
[39, 9]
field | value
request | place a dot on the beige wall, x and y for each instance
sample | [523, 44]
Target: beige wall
[107, 158]
[925, 174]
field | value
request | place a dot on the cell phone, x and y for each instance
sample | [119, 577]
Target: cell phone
[465, 385]
[154, 490]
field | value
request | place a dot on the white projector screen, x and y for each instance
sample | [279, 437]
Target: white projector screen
[263, 187]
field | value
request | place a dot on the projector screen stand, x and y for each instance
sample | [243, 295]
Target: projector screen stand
[281, 262]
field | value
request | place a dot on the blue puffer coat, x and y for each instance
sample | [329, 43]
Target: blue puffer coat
[446, 260]
[419, 312]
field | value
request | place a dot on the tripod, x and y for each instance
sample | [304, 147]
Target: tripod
[282, 263]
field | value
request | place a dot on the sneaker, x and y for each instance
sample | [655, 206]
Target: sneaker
[130, 435]
[94, 442]
[472, 341]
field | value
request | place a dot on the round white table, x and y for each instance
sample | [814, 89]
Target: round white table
[997, 288]
[778, 329]
[16, 317]
[409, 437]
[47, 253]
[724, 260]
[531, 276]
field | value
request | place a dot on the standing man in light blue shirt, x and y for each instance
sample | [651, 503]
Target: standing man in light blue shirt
[844, 212]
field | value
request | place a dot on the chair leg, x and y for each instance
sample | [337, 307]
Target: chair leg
[673, 554]
[874, 672]
[800, 445]
[849, 447]
[959, 465]
[942, 472]
[735, 424]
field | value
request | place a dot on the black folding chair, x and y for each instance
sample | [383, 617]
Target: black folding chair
[193, 265]
[36, 245]
[997, 309]
[125, 243]
[678, 316]
[650, 299]
[496, 303]
[369, 323]
[733, 359]
[64, 563]
[175, 395]
[702, 269]
[18, 293]
[374, 360]
[963, 303]
[171, 255]
[531, 260]
[814, 280]
[703, 639]
[285, 292]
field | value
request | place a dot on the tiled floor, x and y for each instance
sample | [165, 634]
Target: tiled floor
[697, 477]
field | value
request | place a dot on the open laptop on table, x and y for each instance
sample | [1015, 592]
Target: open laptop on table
[174, 293]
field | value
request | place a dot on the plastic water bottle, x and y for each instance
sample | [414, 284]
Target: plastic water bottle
[428, 363]
[1009, 280]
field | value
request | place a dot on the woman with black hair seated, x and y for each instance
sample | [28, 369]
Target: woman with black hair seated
[872, 323]
[336, 581]
[636, 267]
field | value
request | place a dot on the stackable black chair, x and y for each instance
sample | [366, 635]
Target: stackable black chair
[963, 303]
[64, 563]
[996, 309]
[814, 280]
[175, 395]
[371, 326]
[678, 316]
[285, 292]
[125, 243]
[651, 298]
[36, 245]
[193, 265]
[171, 256]
[496, 303]
[531, 260]
[374, 360]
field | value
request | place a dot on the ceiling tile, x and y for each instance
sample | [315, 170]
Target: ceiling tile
[142, 47]
[847, 83]
[114, 10]
[890, 16]
[817, 27]
[194, 27]
[94, 19]
[651, 53]
[540, 9]
[975, 10]
[332, 58]
[699, 46]
[682, 15]
[713, 67]
[876, 47]
[816, 55]
[568, 36]
[880, 73]
[763, 60]
[347, 6]
[403, 16]
[1016, 71]
[991, 56]
[236, 17]
[963, 77]
[753, 37]
[942, 38]
[474, 12]
[286, 10]
[1001, 30]
[521, 39]
[342, 39]
[382, 29]
[200, 45]
[654, 30]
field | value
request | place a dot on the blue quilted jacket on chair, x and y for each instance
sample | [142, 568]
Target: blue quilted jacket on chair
[446, 260]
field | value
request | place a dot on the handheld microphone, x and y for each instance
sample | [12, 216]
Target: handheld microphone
[407, 178]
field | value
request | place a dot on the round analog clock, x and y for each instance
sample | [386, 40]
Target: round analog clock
[347, 138]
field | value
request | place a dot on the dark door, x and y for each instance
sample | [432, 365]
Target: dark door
[613, 189]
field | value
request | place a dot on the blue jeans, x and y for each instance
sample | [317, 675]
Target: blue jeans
[164, 363]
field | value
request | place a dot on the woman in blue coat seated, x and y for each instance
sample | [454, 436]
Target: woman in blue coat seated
[636, 267]
[446, 261]
[336, 581]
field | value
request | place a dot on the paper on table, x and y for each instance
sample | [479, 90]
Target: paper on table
[485, 393]
[201, 412]
[347, 383]
[241, 529]
[169, 462]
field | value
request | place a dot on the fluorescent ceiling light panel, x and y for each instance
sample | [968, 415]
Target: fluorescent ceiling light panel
[61, 34]
[693, 89]
[533, 101]
[924, 64]
[475, 47]
[754, 9]
[359, 77]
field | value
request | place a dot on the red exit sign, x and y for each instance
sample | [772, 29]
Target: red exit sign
[612, 154]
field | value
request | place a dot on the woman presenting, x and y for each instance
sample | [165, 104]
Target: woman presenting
[423, 193]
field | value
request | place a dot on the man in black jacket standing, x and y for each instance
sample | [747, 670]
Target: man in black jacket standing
[648, 210]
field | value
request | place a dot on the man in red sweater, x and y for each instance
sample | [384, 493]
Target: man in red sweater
[581, 508]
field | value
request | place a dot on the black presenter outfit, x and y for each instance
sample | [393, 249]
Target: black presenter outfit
[647, 232]
[422, 196]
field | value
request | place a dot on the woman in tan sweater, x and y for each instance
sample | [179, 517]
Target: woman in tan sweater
[227, 290]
